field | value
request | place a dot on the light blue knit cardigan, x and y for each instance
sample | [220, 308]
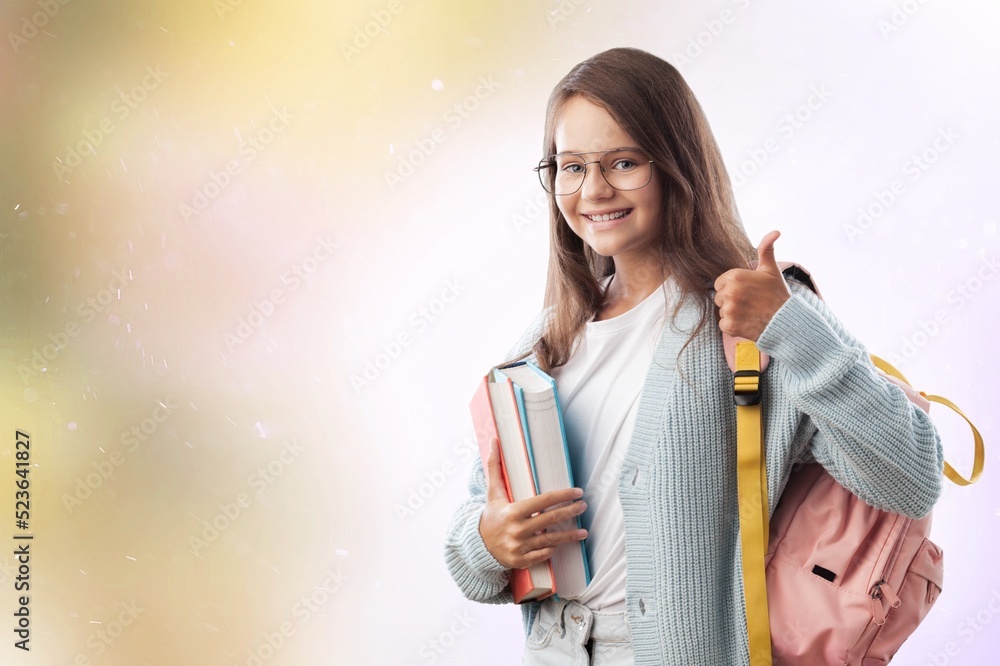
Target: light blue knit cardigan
[823, 402]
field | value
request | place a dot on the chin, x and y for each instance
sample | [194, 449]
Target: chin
[603, 252]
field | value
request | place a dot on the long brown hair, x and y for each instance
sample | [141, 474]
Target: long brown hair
[701, 235]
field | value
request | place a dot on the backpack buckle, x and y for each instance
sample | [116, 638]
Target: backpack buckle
[746, 387]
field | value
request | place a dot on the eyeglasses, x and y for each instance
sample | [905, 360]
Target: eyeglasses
[622, 168]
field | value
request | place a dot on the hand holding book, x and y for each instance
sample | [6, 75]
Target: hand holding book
[530, 489]
[514, 532]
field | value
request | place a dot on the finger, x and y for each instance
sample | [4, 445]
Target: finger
[496, 490]
[539, 503]
[727, 327]
[720, 282]
[765, 254]
[552, 517]
[547, 540]
[535, 556]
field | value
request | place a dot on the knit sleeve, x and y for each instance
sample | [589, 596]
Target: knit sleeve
[869, 436]
[478, 574]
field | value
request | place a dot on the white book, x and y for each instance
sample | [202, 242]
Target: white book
[548, 449]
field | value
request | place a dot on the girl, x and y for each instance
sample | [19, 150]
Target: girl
[649, 264]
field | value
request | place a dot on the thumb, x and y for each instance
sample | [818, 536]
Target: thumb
[495, 487]
[765, 254]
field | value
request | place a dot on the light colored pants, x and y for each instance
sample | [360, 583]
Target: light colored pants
[566, 633]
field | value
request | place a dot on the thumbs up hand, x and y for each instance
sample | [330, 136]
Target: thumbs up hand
[747, 299]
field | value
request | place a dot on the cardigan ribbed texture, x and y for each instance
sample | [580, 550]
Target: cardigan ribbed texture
[823, 402]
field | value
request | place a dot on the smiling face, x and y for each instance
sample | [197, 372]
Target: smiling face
[614, 223]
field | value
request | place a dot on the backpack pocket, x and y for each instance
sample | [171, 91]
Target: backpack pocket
[920, 588]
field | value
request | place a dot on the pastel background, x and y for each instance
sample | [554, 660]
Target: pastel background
[254, 257]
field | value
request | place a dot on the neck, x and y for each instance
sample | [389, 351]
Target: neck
[634, 280]
[631, 285]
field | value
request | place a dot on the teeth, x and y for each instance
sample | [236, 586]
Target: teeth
[608, 218]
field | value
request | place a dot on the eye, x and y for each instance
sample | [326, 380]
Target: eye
[624, 164]
[574, 168]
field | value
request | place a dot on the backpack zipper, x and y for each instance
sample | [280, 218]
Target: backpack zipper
[882, 589]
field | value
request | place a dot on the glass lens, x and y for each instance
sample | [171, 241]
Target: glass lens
[546, 169]
[622, 169]
[626, 169]
[569, 171]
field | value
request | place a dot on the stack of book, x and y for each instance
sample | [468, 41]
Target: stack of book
[519, 405]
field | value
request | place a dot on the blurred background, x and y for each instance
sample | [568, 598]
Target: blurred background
[257, 255]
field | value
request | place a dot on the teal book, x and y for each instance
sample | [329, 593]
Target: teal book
[548, 450]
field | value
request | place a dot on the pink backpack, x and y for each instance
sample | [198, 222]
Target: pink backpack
[846, 583]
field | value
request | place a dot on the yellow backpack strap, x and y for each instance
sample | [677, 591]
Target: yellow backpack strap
[751, 475]
[949, 471]
[977, 462]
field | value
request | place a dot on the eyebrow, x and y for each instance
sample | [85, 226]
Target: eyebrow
[594, 152]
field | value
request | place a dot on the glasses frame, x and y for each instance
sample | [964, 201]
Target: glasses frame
[548, 162]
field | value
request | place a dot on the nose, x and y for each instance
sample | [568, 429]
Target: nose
[596, 187]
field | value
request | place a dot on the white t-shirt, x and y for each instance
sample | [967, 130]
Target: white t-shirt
[599, 389]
